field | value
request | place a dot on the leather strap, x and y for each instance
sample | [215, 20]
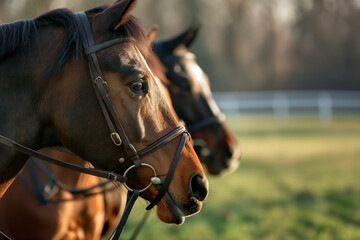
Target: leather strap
[92, 171]
[129, 205]
[107, 44]
[44, 197]
[162, 141]
[3, 236]
[100, 86]
[206, 122]
[165, 185]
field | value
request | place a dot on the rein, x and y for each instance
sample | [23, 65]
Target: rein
[45, 192]
[92, 171]
[3, 236]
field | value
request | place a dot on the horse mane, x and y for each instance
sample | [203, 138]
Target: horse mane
[16, 37]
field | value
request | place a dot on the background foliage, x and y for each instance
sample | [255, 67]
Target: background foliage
[250, 44]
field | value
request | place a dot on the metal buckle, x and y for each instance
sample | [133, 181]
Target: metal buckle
[102, 81]
[115, 137]
[153, 180]
[112, 176]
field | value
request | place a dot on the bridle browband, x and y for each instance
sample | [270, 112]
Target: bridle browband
[117, 133]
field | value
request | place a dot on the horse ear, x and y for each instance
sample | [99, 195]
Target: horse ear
[151, 35]
[191, 33]
[185, 38]
[116, 15]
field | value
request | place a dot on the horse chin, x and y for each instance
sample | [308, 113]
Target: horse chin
[169, 211]
[172, 211]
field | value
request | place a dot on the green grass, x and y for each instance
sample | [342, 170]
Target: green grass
[298, 179]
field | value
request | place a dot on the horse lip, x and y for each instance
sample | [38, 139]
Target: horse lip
[223, 169]
[219, 167]
[176, 212]
[180, 211]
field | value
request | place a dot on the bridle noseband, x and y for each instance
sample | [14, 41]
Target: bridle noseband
[216, 121]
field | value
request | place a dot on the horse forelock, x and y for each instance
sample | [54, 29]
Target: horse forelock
[133, 28]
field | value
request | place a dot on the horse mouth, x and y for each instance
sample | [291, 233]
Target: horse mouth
[224, 162]
[222, 169]
[176, 212]
[180, 211]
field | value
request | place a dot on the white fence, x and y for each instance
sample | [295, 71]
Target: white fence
[286, 104]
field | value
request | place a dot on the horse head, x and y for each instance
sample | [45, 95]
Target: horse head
[193, 101]
[125, 125]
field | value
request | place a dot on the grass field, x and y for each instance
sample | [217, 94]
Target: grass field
[298, 179]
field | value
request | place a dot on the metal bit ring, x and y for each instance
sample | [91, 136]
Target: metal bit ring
[151, 181]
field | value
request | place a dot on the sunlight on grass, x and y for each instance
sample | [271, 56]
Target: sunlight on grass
[298, 179]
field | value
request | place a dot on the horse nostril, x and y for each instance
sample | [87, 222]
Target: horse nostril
[197, 188]
[227, 153]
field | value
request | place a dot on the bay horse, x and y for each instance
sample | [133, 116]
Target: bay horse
[114, 201]
[51, 102]
[192, 99]
[52, 212]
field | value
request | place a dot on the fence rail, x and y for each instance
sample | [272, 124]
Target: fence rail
[285, 104]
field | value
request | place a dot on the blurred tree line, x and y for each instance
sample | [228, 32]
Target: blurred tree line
[249, 44]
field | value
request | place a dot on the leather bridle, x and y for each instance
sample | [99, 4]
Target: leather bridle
[117, 133]
[214, 119]
[200, 145]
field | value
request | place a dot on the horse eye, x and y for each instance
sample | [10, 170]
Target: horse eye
[138, 87]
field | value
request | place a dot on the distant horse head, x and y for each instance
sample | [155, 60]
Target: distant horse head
[62, 107]
[193, 101]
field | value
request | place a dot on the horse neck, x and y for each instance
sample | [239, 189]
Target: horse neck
[18, 120]
[22, 83]
[21, 119]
